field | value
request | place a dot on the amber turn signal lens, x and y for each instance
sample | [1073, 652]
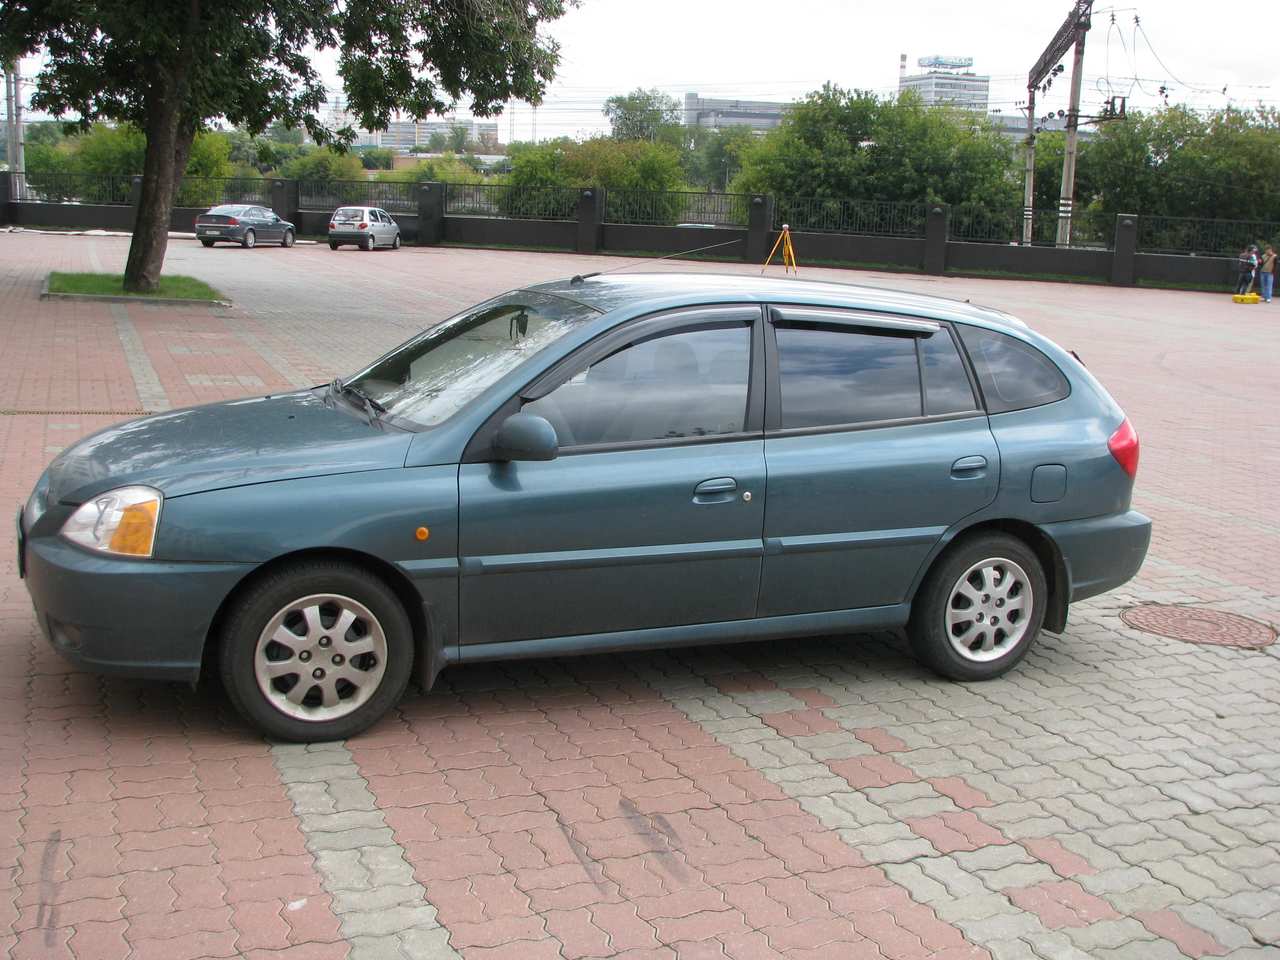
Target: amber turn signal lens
[422, 533]
[136, 529]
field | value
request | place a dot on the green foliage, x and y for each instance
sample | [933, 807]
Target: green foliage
[714, 157]
[641, 114]
[322, 165]
[600, 162]
[377, 158]
[446, 169]
[852, 145]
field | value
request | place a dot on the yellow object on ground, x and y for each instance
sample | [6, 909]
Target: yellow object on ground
[788, 252]
[1245, 298]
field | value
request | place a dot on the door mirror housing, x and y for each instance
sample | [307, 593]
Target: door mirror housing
[526, 436]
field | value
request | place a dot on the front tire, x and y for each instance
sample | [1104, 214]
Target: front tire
[250, 238]
[395, 244]
[287, 239]
[980, 609]
[317, 651]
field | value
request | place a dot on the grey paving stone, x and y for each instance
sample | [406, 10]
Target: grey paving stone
[1227, 932]
[421, 943]
[1000, 927]
[1108, 934]
[958, 881]
[922, 887]
[1053, 945]
[345, 820]
[378, 898]
[387, 920]
[992, 857]
[977, 906]
[351, 839]
[892, 851]
[376, 948]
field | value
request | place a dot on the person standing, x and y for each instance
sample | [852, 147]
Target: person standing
[1248, 261]
[1267, 272]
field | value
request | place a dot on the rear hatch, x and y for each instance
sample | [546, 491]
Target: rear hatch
[348, 219]
[214, 219]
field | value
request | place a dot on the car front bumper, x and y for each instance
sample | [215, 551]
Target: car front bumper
[134, 618]
[1101, 553]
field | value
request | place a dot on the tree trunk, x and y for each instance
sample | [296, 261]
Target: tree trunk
[168, 146]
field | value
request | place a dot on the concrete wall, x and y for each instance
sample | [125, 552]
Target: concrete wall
[638, 236]
[486, 231]
[962, 257]
[891, 251]
[1168, 268]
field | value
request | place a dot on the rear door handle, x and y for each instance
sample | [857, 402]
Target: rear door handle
[968, 466]
[718, 485]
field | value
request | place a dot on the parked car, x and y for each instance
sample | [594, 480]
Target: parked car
[595, 465]
[366, 227]
[244, 224]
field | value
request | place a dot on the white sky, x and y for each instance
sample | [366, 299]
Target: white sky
[781, 49]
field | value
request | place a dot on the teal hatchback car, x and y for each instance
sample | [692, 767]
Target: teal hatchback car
[597, 464]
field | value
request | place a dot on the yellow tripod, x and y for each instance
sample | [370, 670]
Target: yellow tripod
[788, 252]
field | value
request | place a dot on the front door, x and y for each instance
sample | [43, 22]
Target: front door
[875, 445]
[652, 514]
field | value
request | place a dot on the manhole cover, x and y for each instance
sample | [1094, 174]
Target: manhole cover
[1199, 625]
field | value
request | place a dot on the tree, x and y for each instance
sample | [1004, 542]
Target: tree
[458, 138]
[641, 114]
[322, 165]
[170, 68]
[378, 158]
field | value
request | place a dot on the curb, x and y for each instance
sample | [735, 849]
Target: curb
[126, 298]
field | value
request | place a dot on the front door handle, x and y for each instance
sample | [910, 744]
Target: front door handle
[969, 466]
[718, 485]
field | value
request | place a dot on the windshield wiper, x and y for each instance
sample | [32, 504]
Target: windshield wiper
[372, 408]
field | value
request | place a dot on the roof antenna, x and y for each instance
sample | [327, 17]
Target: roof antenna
[581, 277]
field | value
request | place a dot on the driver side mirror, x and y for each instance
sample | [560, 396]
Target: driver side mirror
[526, 436]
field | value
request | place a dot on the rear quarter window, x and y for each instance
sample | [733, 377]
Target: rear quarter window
[1013, 375]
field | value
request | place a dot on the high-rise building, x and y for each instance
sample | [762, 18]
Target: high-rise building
[718, 114]
[947, 81]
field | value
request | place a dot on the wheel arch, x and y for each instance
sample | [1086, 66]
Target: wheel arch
[1039, 542]
[427, 641]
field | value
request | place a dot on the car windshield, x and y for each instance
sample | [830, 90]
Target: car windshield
[430, 378]
[349, 213]
[229, 209]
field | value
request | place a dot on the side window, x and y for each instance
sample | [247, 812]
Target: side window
[375, 216]
[946, 384]
[834, 376]
[1013, 375]
[688, 383]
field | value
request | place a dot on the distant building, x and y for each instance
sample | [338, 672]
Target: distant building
[946, 82]
[719, 114]
[403, 134]
[1014, 126]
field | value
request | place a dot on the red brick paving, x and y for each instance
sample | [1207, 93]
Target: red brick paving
[1062, 903]
[1190, 939]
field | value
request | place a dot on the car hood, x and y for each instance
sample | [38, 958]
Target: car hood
[229, 444]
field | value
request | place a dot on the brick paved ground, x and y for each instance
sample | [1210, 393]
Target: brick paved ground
[1116, 796]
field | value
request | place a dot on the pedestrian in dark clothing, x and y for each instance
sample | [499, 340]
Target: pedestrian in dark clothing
[1248, 261]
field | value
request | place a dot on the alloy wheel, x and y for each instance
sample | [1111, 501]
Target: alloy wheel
[320, 657]
[989, 610]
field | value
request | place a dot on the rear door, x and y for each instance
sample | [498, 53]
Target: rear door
[652, 514]
[875, 444]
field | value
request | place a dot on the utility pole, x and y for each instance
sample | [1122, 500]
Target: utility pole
[1071, 32]
[1073, 125]
[10, 139]
[19, 154]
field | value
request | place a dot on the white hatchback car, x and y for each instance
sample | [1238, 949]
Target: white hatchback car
[366, 227]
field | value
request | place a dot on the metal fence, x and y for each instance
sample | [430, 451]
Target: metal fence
[672, 208]
[868, 217]
[1190, 235]
[394, 196]
[510, 201]
[971, 223]
[71, 188]
[212, 191]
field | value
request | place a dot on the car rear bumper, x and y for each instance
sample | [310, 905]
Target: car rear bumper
[134, 618]
[215, 232]
[1101, 553]
[348, 236]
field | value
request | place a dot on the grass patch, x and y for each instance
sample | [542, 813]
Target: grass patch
[1187, 285]
[1020, 275]
[112, 285]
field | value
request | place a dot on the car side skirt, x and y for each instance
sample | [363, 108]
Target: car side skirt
[730, 631]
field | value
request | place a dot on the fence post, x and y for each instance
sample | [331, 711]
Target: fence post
[6, 197]
[589, 209]
[284, 200]
[759, 226]
[1126, 245]
[135, 199]
[430, 213]
[935, 238]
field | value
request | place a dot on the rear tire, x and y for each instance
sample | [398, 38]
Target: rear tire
[333, 245]
[287, 239]
[980, 608]
[250, 238]
[206, 243]
[366, 243]
[347, 651]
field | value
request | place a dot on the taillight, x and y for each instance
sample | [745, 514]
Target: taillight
[364, 226]
[1124, 447]
[332, 225]
[233, 221]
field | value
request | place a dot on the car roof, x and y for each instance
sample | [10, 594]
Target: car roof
[609, 292]
[233, 206]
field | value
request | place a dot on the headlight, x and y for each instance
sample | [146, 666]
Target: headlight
[119, 521]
